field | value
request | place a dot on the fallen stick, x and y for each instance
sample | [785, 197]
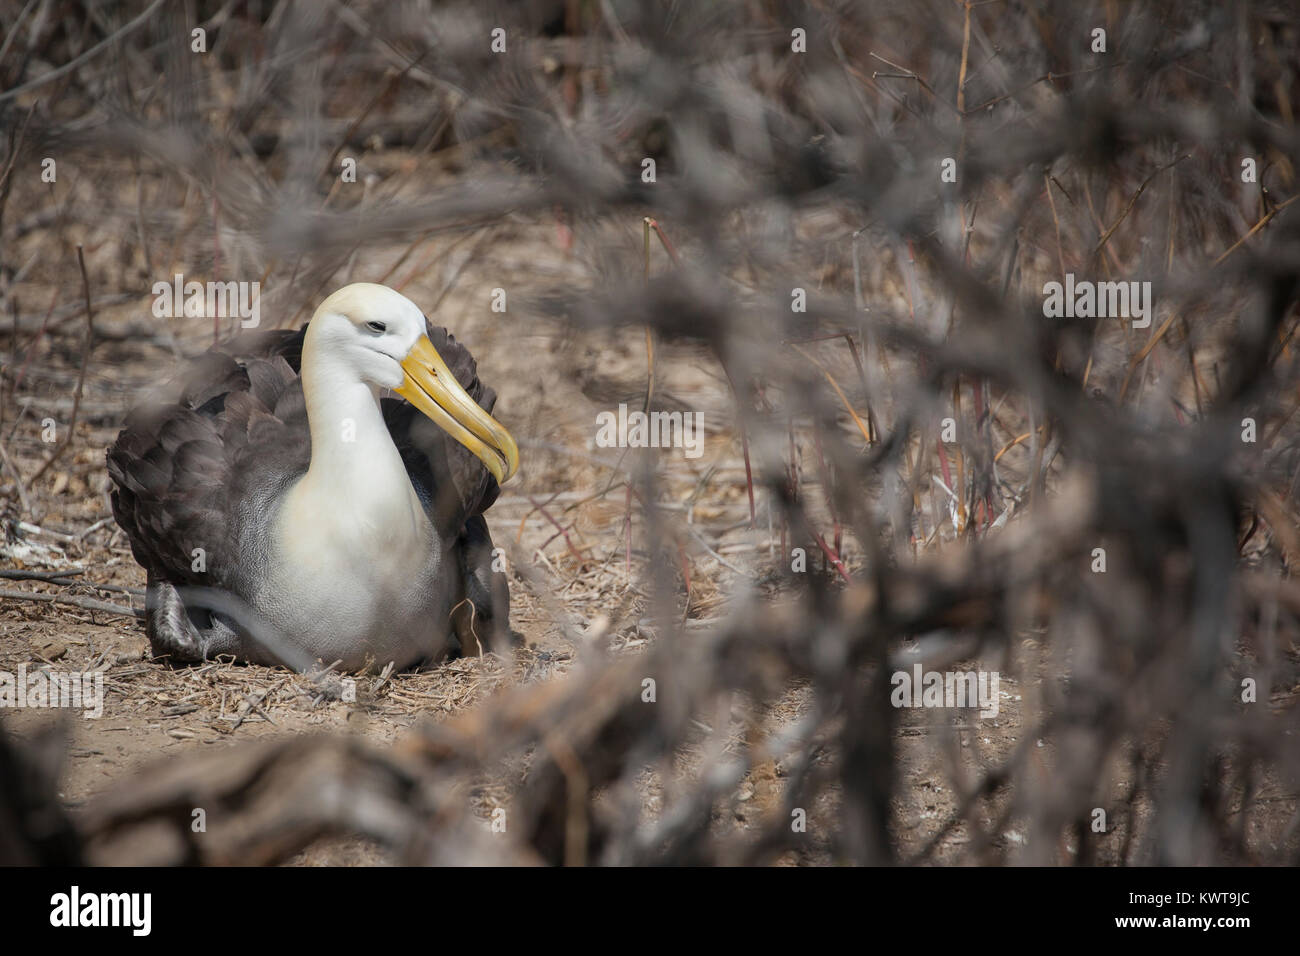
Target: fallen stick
[85, 603]
[54, 577]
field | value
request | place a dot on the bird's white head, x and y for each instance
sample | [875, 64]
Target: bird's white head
[371, 327]
[379, 335]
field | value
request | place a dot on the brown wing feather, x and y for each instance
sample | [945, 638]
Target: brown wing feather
[183, 467]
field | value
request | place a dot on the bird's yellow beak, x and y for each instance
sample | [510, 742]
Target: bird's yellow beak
[430, 387]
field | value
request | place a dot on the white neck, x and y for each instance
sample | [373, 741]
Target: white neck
[356, 491]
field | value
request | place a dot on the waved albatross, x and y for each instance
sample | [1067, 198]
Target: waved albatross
[286, 513]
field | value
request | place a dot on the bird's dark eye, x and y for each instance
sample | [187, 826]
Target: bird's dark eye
[377, 327]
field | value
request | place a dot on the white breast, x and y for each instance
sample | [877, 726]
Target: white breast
[356, 579]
